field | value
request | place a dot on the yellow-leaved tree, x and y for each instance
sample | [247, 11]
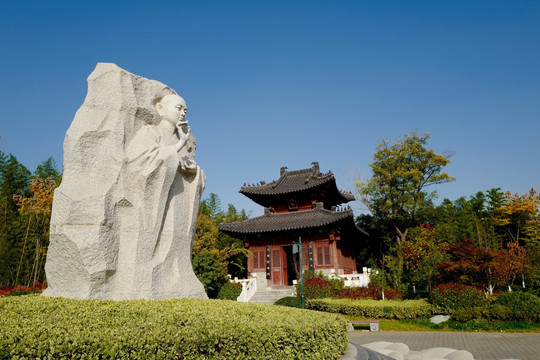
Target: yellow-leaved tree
[37, 211]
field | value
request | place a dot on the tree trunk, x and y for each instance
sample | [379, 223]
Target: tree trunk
[22, 253]
[400, 240]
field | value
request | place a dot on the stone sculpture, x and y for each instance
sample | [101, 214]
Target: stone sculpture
[123, 219]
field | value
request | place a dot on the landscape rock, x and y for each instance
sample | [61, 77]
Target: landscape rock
[437, 319]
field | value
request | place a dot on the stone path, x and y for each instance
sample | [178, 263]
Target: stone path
[484, 346]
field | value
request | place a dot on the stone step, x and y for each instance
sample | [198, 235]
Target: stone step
[260, 298]
[270, 296]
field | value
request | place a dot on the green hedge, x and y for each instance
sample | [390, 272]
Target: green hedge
[510, 306]
[378, 309]
[230, 291]
[523, 306]
[40, 327]
[290, 301]
[491, 312]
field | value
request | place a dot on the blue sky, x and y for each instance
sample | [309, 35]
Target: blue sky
[285, 83]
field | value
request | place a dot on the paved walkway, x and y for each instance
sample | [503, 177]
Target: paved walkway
[483, 346]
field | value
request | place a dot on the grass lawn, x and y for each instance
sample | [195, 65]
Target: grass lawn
[425, 325]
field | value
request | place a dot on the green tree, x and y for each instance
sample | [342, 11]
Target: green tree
[216, 254]
[14, 180]
[25, 210]
[472, 218]
[396, 193]
[48, 169]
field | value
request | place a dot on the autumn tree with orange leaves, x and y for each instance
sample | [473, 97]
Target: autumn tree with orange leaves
[25, 210]
[520, 216]
[422, 251]
[508, 264]
[37, 210]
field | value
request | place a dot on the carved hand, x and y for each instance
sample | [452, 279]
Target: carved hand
[183, 134]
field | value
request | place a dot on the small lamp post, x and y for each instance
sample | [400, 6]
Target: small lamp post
[297, 247]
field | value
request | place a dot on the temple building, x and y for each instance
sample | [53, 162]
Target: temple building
[303, 203]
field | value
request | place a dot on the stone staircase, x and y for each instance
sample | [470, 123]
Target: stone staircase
[271, 295]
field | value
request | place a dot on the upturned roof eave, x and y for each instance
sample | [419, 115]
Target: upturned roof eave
[269, 189]
[332, 217]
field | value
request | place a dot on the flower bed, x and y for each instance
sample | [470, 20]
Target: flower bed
[21, 290]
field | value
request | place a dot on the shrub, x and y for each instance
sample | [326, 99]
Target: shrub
[491, 312]
[317, 288]
[472, 325]
[209, 271]
[21, 290]
[372, 291]
[522, 305]
[465, 315]
[309, 274]
[230, 291]
[336, 283]
[41, 327]
[389, 293]
[290, 301]
[356, 293]
[456, 296]
[496, 312]
[383, 309]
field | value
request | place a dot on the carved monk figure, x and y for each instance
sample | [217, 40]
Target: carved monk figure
[163, 186]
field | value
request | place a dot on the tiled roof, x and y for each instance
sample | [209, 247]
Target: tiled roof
[294, 181]
[288, 221]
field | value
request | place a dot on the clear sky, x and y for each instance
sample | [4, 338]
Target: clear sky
[285, 83]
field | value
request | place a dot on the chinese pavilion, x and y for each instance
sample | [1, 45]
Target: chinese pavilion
[302, 203]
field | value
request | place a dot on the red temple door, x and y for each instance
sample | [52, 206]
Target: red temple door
[277, 264]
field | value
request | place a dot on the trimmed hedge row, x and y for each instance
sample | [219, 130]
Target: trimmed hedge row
[378, 309]
[510, 306]
[290, 301]
[40, 327]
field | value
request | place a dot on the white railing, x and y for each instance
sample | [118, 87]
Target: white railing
[356, 280]
[249, 287]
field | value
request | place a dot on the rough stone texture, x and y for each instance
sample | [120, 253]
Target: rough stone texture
[122, 229]
[400, 351]
[357, 352]
[484, 346]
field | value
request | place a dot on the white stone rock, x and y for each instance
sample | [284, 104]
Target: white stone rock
[400, 347]
[443, 353]
[377, 345]
[460, 355]
[396, 351]
[437, 319]
[123, 219]
[396, 355]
